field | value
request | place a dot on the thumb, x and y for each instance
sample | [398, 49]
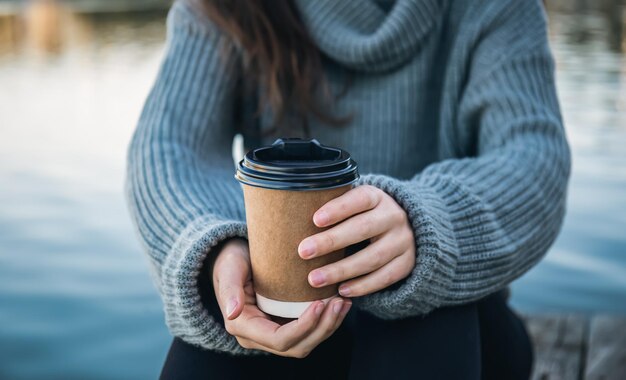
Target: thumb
[231, 276]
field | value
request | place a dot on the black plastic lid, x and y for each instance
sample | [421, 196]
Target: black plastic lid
[297, 164]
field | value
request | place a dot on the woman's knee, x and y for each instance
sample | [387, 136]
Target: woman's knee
[506, 348]
[442, 344]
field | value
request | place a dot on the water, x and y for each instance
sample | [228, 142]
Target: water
[586, 269]
[76, 299]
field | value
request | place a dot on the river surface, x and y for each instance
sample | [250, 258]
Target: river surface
[76, 298]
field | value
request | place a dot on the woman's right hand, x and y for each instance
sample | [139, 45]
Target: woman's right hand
[253, 329]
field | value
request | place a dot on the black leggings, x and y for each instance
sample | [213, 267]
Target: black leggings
[482, 340]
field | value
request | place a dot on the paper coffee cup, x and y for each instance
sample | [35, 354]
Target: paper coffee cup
[284, 184]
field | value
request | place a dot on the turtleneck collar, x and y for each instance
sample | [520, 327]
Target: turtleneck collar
[361, 35]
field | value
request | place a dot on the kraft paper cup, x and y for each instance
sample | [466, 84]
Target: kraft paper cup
[284, 184]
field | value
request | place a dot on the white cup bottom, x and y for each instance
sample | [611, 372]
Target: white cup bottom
[282, 308]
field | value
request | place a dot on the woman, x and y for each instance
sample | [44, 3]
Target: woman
[451, 111]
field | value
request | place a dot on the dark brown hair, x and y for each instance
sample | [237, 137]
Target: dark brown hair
[280, 58]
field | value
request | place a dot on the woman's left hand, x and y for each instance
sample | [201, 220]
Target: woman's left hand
[364, 212]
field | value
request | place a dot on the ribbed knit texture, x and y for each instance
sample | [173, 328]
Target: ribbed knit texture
[455, 116]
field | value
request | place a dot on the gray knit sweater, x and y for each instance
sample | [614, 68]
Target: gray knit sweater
[455, 116]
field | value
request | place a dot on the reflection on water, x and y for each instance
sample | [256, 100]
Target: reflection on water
[76, 299]
[49, 27]
[44, 21]
[611, 11]
[586, 269]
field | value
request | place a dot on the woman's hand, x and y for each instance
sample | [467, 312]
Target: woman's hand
[365, 212]
[254, 329]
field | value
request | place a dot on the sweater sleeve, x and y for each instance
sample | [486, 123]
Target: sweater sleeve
[180, 187]
[483, 220]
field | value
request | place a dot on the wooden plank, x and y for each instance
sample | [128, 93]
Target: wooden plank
[559, 341]
[606, 357]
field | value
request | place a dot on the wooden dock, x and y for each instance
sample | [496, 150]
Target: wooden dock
[577, 347]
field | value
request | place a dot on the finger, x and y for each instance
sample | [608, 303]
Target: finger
[354, 201]
[367, 260]
[351, 231]
[246, 343]
[331, 320]
[272, 335]
[250, 344]
[345, 308]
[396, 270]
[231, 274]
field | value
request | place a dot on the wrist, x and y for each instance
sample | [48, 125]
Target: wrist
[234, 245]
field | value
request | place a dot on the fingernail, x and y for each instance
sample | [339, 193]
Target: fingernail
[337, 307]
[230, 308]
[320, 218]
[306, 248]
[319, 308]
[318, 278]
[344, 290]
[345, 308]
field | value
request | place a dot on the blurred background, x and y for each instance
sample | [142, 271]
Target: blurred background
[76, 298]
